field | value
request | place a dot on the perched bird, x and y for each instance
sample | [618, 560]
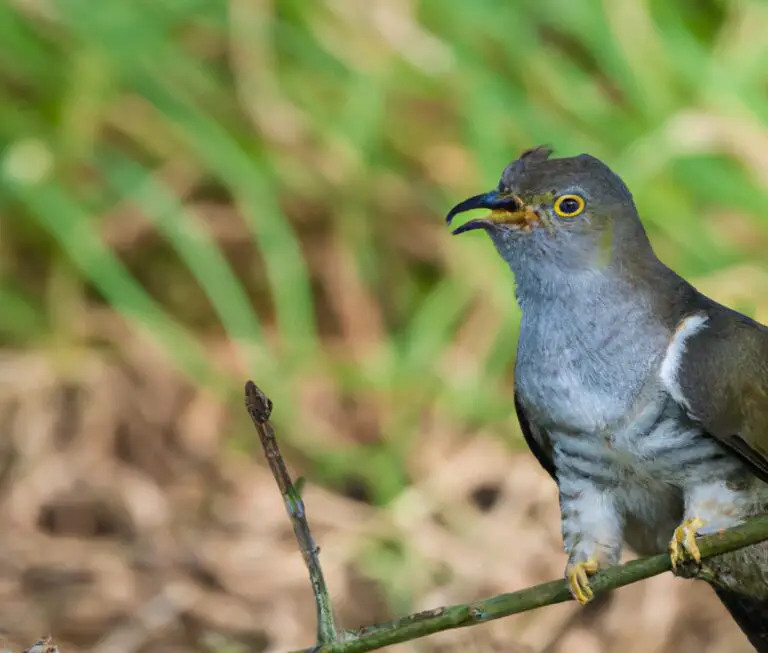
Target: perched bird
[645, 400]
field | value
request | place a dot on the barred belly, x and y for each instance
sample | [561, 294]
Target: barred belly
[646, 475]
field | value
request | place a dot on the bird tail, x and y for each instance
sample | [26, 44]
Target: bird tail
[750, 614]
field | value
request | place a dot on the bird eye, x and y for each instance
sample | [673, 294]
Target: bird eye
[569, 206]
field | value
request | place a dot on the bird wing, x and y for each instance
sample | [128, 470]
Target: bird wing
[722, 380]
[536, 439]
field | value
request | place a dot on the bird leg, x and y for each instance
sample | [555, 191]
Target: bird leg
[577, 576]
[682, 546]
[591, 528]
[709, 507]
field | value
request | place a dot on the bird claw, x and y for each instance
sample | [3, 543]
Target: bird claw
[577, 575]
[682, 546]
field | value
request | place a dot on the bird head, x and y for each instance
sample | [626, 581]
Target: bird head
[570, 212]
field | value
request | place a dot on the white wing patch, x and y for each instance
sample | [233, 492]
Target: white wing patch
[670, 366]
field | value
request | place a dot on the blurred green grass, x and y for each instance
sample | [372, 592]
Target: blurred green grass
[337, 134]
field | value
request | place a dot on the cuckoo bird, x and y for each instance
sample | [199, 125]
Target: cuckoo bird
[645, 400]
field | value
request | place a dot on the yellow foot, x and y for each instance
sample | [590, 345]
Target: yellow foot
[577, 574]
[682, 546]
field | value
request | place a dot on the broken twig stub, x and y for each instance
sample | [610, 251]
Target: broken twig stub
[259, 408]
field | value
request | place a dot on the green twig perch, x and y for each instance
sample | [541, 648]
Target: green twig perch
[425, 623]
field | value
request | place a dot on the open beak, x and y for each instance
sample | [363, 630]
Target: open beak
[505, 209]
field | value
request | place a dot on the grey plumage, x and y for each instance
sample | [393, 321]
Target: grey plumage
[645, 400]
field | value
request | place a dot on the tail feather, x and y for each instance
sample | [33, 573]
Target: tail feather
[750, 614]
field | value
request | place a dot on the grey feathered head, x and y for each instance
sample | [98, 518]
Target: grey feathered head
[568, 210]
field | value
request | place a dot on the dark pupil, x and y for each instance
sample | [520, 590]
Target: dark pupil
[569, 206]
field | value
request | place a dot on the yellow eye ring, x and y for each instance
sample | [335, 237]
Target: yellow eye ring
[569, 206]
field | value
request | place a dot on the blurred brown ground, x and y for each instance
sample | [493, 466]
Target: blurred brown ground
[129, 524]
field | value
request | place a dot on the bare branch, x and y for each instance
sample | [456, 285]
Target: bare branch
[259, 408]
[458, 616]
[428, 622]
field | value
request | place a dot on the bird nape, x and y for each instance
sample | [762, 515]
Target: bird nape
[645, 400]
